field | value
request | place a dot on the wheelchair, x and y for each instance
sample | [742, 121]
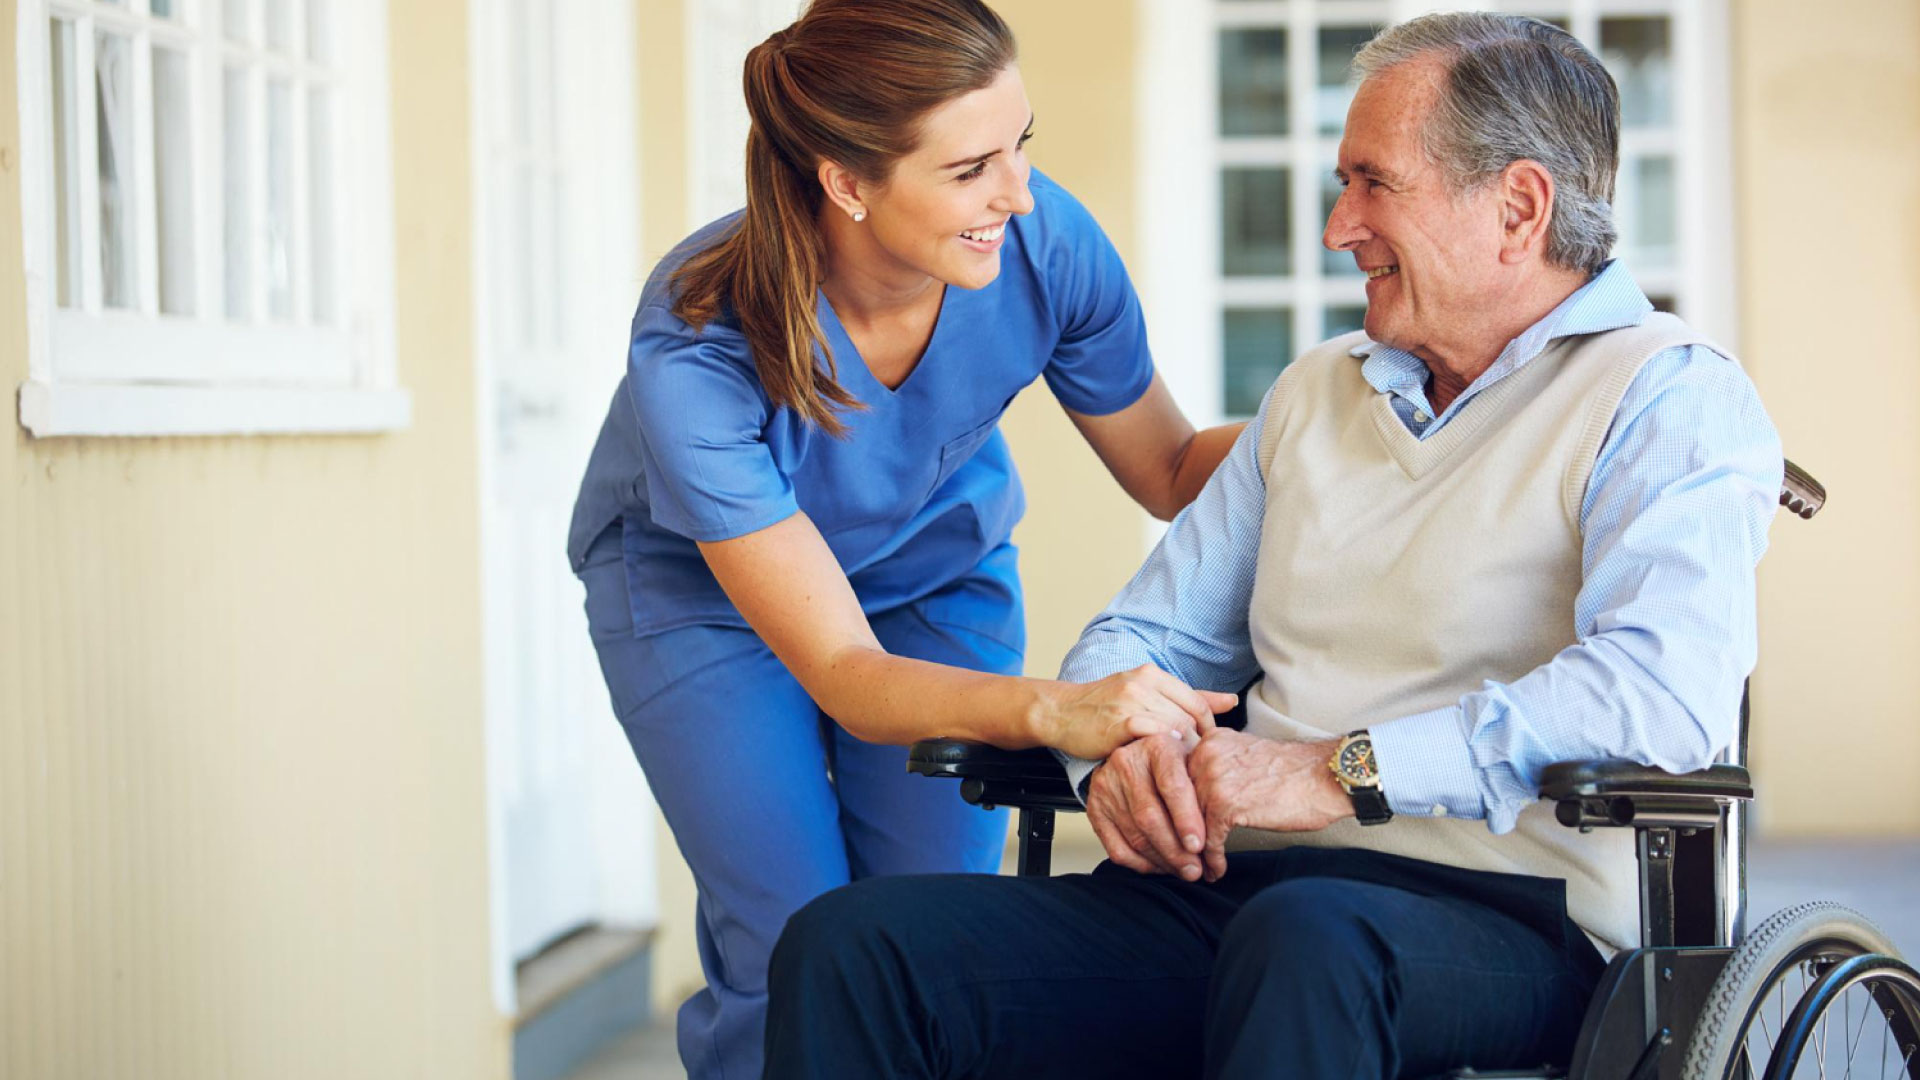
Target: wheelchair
[1816, 987]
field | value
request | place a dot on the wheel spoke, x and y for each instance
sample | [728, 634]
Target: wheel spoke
[1865, 1011]
[1886, 1032]
[1820, 1043]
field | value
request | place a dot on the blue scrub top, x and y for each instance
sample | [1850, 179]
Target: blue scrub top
[922, 487]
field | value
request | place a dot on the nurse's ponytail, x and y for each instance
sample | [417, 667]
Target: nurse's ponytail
[849, 83]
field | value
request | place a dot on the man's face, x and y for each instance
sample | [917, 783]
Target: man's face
[1431, 254]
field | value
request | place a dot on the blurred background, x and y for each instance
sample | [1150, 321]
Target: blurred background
[314, 307]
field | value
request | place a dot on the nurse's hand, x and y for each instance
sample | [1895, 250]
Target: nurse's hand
[1092, 720]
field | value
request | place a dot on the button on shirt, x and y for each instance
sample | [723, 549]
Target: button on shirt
[1673, 521]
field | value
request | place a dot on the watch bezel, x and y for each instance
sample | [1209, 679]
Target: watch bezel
[1350, 776]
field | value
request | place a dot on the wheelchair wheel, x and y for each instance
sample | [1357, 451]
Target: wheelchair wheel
[1817, 990]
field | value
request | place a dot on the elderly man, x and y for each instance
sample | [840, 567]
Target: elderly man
[1515, 522]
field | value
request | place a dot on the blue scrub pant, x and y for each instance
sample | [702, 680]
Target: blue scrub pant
[1305, 963]
[771, 802]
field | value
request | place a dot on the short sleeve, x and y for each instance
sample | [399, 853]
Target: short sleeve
[1101, 363]
[710, 474]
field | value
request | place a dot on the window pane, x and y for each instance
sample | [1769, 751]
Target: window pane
[1258, 344]
[1334, 263]
[320, 202]
[173, 179]
[319, 30]
[279, 24]
[236, 141]
[1653, 233]
[280, 253]
[113, 79]
[1253, 81]
[66, 171]
[163, 8]
[1345, 319]
[1255, 227]
[1636, 51]
[1338, 44]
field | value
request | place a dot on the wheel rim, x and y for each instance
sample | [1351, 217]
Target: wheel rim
[1852, 1015]
[1786, 984]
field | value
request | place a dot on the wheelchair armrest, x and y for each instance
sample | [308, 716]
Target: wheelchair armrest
[1800, 493]
[1615, 792]
[990, 777]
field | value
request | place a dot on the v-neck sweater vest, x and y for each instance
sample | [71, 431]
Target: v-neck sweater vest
[1396, 575]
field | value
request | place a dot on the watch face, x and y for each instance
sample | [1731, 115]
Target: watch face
[1356, 762]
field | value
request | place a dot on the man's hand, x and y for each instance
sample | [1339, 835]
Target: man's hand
[1143, 808]
[1242, 780]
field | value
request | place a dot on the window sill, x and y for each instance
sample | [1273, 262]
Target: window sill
[50, 409]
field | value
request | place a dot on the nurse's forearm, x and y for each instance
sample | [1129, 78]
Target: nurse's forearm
[789, 586]
[892, 699]
[1202, 455]
[883, 698]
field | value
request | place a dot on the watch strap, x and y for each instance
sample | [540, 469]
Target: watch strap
[1370, 805]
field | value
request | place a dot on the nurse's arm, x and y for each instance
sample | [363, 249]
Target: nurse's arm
[1153, 451]
[785, 580]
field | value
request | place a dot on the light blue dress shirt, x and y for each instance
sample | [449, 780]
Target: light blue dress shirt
[1673, 522]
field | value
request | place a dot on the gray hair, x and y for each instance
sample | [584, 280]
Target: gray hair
[1518, 88]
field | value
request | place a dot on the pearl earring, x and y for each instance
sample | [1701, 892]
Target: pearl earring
[859, 216]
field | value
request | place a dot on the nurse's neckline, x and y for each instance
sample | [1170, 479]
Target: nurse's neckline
[890, 368]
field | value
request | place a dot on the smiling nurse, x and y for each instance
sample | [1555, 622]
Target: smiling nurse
[795, 528]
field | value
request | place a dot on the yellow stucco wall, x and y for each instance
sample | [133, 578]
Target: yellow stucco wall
[1082, 537]
[242, 805]
[1827, 178]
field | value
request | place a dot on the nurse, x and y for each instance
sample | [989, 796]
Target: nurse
[795, 528]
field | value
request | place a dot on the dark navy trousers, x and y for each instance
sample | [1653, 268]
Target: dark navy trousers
[1306, 963]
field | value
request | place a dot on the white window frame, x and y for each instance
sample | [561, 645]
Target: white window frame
[94, 372]
[1181, 156]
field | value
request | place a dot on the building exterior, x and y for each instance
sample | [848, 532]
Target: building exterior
[250, 761]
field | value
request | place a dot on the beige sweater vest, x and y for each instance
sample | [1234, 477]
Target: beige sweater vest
[1395, 576]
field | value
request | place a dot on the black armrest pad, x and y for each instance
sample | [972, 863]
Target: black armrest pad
[1615, 776]
[990, 776]
[967, 760]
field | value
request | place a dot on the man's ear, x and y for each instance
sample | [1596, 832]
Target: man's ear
[1526, 208]
[844, 190]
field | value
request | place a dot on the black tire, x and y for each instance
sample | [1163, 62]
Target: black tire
[1802, 945]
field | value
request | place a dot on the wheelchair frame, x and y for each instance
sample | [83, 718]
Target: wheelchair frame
[1691, 841]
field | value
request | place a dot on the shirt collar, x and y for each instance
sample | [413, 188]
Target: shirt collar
[1609, 301]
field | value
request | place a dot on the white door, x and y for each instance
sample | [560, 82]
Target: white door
[557, 236]
[720, 33]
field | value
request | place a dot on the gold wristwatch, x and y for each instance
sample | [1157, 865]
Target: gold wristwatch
[1353, 765]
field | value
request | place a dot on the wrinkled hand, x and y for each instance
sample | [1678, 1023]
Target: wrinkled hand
[1091, 720]
[1143, 808]
[1241, 780]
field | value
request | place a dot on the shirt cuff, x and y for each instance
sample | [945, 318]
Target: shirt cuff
[1425, 768]
[1078, 769]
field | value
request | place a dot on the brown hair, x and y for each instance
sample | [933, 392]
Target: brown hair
[848, 82]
